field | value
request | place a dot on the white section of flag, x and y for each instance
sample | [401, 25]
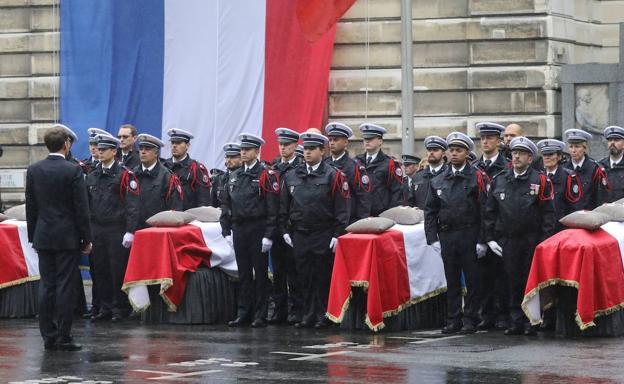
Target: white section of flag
[616, 230]
[30, 255]
[222, 253]
[425, 268]
[214, 72]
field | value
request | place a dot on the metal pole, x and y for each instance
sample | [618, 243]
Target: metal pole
[407, 79]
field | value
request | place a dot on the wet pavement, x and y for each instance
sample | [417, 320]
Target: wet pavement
[133, 353]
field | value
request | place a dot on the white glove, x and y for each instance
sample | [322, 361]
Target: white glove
[332, 244]
[127, 240]
[437, 246]
[287, 240]
[266, 244]
[481, 250]
[495, 248]
[229, 240]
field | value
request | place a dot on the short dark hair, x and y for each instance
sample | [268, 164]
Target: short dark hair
[55, 138]
[132, 128]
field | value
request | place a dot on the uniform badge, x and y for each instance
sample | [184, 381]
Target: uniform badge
[439, 192]
[365, 179]
[275, 186]
[502, 195]
[133, 185]
[292, 188]
[575, 189]
[399, 172]
[231, 187]
[534, 189]
[179, 189]
[345, 186]
[415, 187]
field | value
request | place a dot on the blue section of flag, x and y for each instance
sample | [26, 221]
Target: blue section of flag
[111, 66]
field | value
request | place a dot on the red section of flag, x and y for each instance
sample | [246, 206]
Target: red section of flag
[296, 74]
[14, 270]
[316, 17]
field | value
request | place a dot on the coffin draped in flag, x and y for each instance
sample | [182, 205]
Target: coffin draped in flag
[397, 268]
[19, 261]
[216, 68]
[591, 262]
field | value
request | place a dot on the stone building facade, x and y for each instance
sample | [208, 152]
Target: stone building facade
[474, 60]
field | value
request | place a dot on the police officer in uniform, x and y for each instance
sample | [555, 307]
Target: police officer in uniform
[593, 178]
[113, 199]
[519, 215]
[314, 211]
[285, 283]
[563, 179]
[453, 223]
[299, 151]
[410, 165]
[232, 163]
[128, 155]
[355, 171]
[386, 175]
[193, 175]
[436, 148]
[614, 163]
[492, 276]
[159, 189]
[92, 161]
[248, 221]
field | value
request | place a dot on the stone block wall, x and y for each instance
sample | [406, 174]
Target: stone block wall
[474, 60]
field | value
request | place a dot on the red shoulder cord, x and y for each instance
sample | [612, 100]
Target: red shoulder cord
[124, 186]
[392, 173]
[601, 176]
[194, 175]
[338, 183]
[568, 192]
[481, 183]
[543, 181]
[358, 179]
[265, 182]
[174, 183]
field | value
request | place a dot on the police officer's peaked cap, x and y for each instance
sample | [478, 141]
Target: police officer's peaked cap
[313, 139]
[94, 132]
[107, 141]
[72, 134]
[286, 135]
[409, 159]
[576, 135]
[550, 146]
[338, 129]
[177, 134]
[370, 131]
[613, 132]
[460, 139]
[145, 139]
[433, 142]
[247, 140]
[232, 149]
[485, 129]
[524, 144]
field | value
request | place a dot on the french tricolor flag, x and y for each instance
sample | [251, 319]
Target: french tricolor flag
[216, 68]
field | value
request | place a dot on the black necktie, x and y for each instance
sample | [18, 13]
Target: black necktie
[550, 175]
[457, 173]
[488, 163]
[368, 159]
[577, 169]
[124, 158]
[310, 170]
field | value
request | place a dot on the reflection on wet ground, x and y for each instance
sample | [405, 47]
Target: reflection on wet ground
[132, 353]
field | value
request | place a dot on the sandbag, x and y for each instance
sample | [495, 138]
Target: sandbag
[371, 225]
[16, 213]
[170, 219]
[613, 210]
[585, 220]
[404, 215]
[206, 214]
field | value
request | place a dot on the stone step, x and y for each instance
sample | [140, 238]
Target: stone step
[444, 54]
[456, 29]
[29, 42]
[28, 64]
[29, 87]
[28, 19]
[425, 79]
[447, 103]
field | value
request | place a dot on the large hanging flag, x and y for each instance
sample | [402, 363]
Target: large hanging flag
[215, 68]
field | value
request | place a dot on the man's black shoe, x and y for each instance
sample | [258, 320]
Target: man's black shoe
[258, 323]
[485, 325]
[530, 331]
[514, 330]
[70, 346]
[238, 323]
[451, 328]
[102, 316]
[468, 329]
[303, 324]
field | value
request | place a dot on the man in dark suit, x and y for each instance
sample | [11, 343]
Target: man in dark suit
[57, 214]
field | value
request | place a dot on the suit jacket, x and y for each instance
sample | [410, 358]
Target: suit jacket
[57, 206]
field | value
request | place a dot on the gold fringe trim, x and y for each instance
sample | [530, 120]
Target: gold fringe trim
[19, 281]
[393, 312]
[164, 285]
[566, 283]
